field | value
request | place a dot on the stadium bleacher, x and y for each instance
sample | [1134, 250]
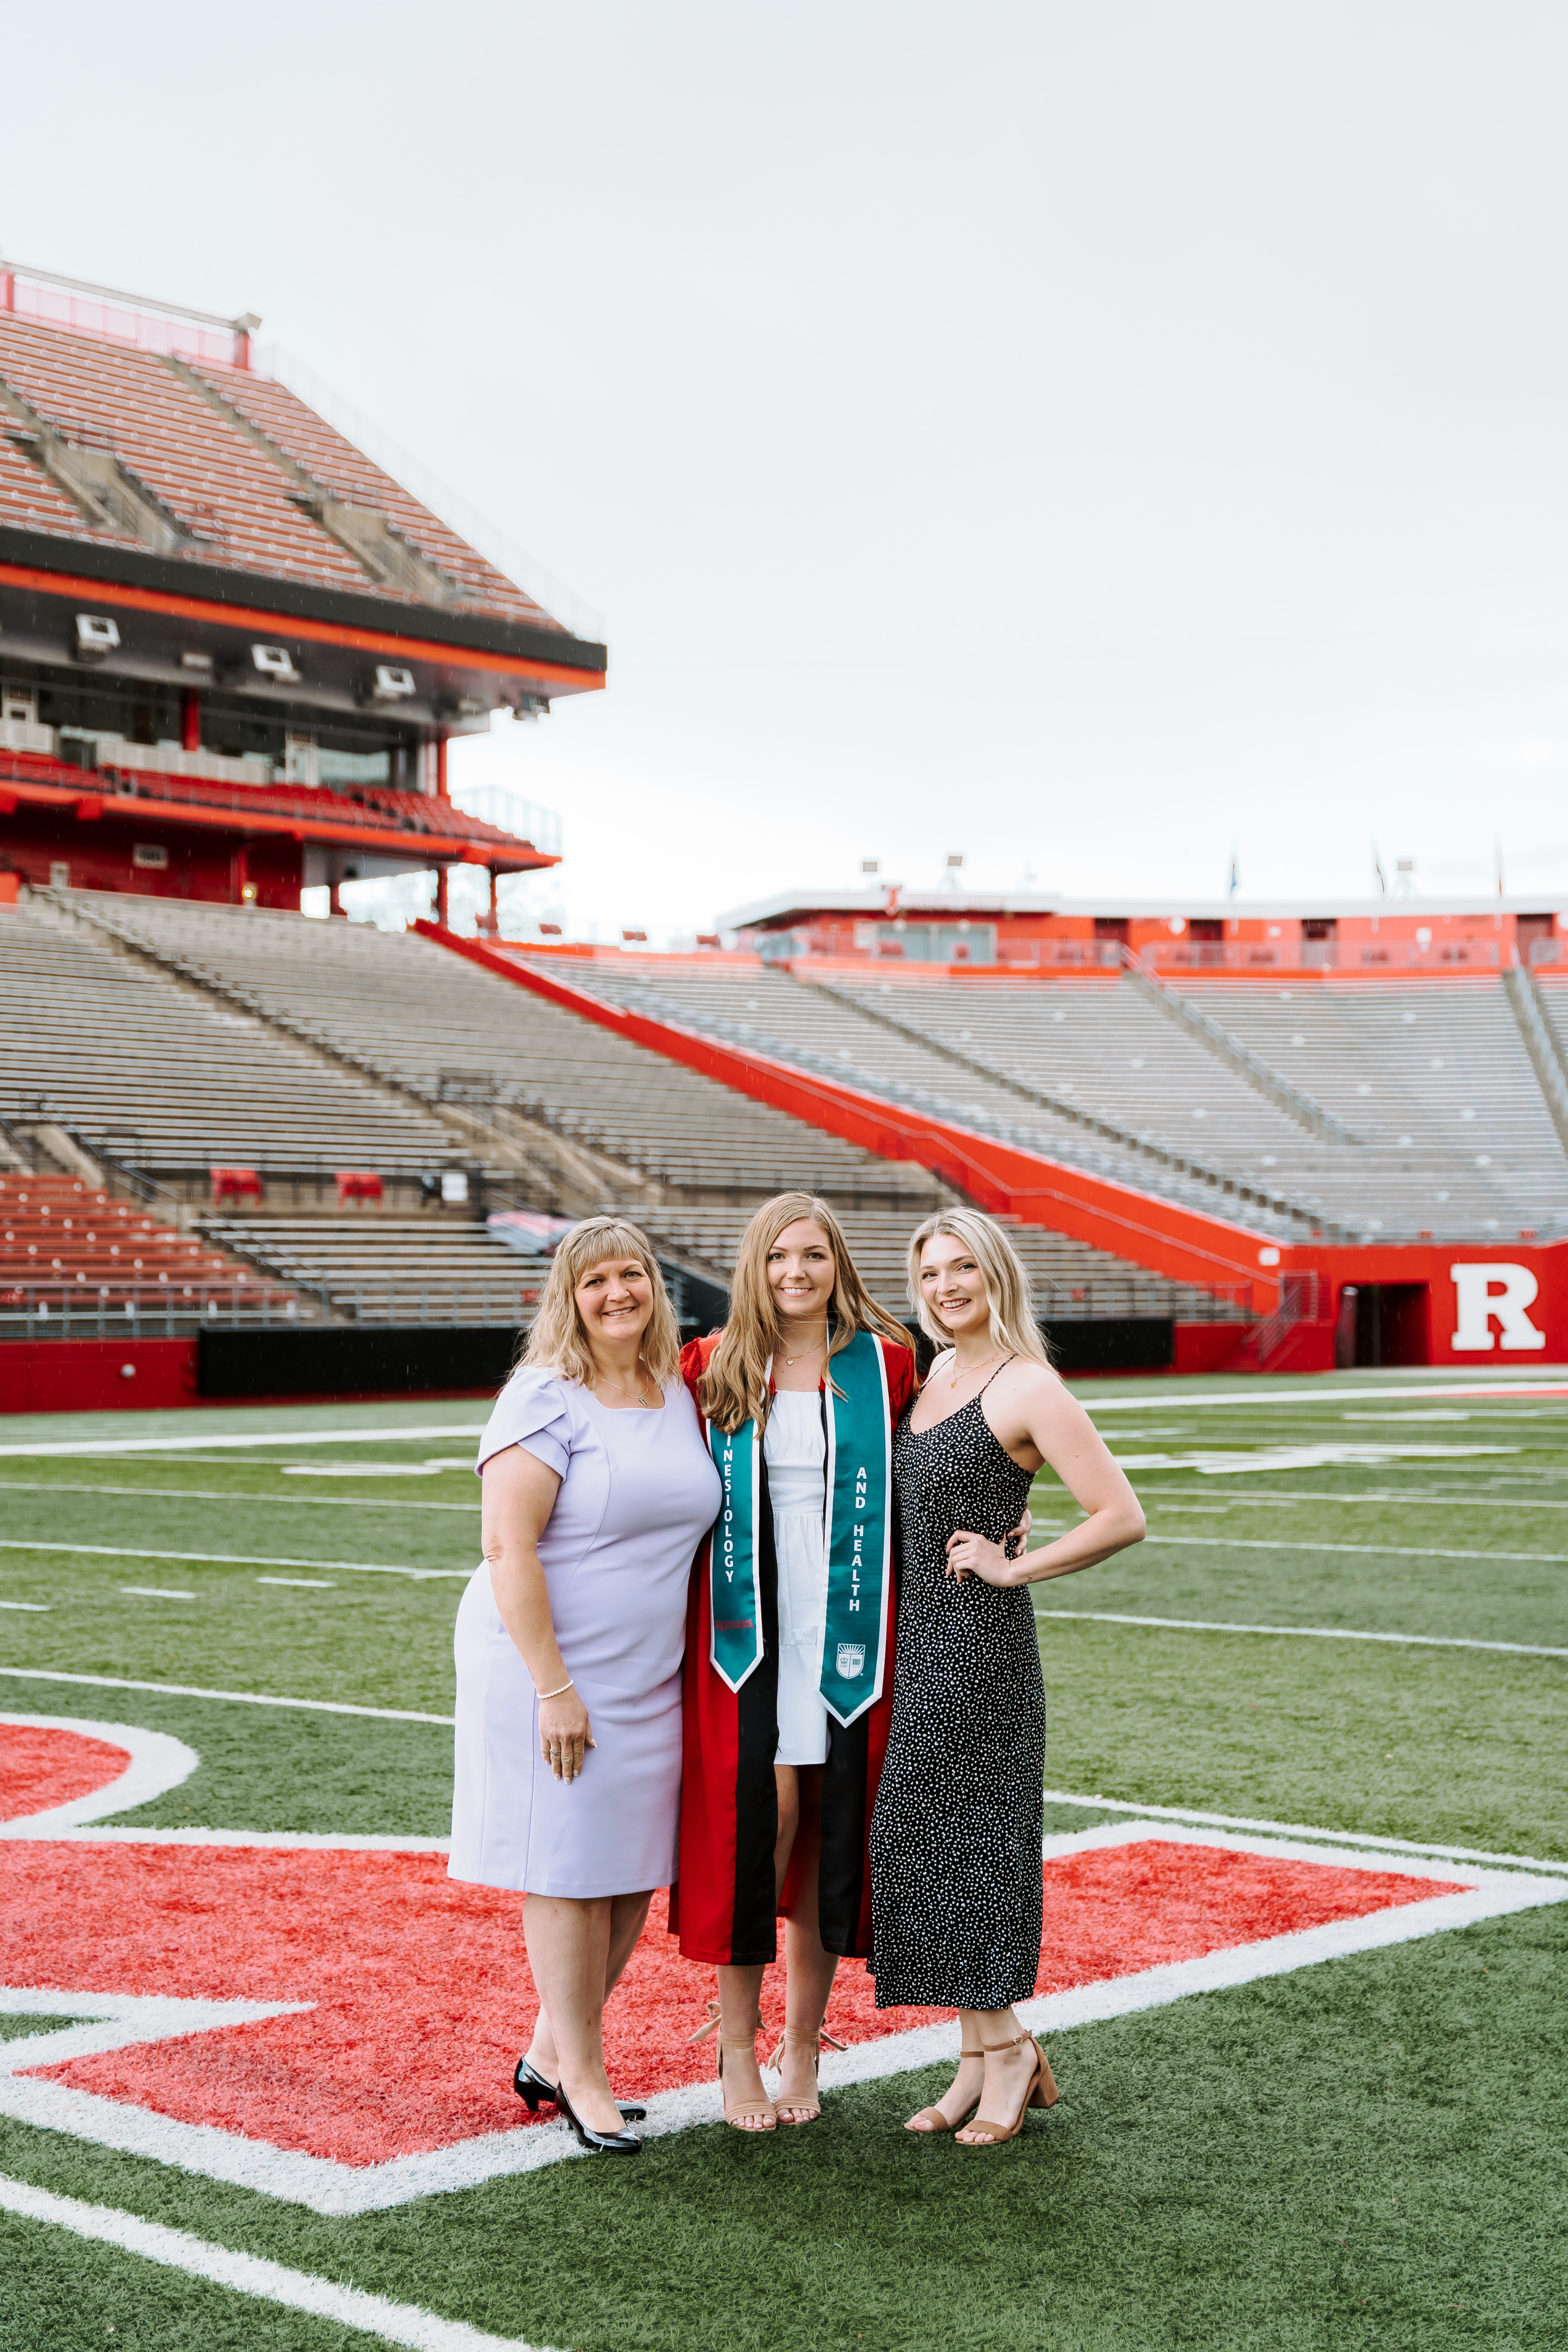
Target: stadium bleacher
[78, 1262]
[1447, 1129]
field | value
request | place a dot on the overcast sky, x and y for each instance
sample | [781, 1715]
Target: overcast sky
[1082, 436]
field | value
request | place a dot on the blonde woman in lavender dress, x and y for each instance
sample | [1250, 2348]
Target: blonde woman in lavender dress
[569, 1640]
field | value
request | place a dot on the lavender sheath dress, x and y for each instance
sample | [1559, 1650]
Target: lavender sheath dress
[639, 1491]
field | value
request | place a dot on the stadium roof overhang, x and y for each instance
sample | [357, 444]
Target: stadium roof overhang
[186, 623]
[786, 908]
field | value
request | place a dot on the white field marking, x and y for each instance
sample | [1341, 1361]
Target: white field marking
[361, 1470]
[113, 2021]
[154, 1763]
[154, 1592]
[1443, 1496]
[266, 2282]
[300, 1583]
[1359, 1838]
[328, 2187]
[198, 1448]
[1350, 1453]
[1263, 1401]
[1375, 1551]
[227, 1494]
[40, 1608]
[226, 1560]
[1304, 1632]
[239, 1699]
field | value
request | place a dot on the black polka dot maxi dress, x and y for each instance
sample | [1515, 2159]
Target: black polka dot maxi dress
[956, 1837]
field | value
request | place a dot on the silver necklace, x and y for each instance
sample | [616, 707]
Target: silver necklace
[643, 1397]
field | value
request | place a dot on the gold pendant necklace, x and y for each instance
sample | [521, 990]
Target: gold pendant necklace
[806, 1355]
[990, 1359]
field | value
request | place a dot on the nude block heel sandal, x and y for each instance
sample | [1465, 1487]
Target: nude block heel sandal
[738, 2115]
[1042, 2093]
[931, 2120]
[814, 2042]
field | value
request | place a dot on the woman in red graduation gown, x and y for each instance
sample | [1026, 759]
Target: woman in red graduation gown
[789, 1652]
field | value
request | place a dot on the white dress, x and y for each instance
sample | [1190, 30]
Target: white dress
[796, 1450]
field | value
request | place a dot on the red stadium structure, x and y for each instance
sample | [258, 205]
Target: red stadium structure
[233, 651]
[232, 648]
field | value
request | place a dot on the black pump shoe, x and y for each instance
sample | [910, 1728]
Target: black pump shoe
[533, 2087]
[597, 2143]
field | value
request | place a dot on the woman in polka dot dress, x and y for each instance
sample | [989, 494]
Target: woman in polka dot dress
[956, 1837]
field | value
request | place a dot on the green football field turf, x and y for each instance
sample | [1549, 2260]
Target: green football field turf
[1366, 2152]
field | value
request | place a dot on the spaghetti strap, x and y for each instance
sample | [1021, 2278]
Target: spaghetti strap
[996, 1375]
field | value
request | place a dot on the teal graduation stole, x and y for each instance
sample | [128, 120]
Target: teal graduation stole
[858, 1532]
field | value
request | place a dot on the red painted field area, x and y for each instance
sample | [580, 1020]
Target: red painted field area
[39, 1769]
[422, 1992]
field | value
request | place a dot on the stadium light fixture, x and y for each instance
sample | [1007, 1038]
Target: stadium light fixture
[276, 663]
[392, 684]
[95, 636]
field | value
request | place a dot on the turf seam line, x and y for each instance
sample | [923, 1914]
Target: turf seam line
[251, 2275]
[1361, 1839]
[240, 1699]
[238, 1560]
[1305, 1632]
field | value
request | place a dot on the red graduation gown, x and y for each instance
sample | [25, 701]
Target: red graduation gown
[722, 1907]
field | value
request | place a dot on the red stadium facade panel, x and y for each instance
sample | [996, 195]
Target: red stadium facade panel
[1179, 939]
[233, 649]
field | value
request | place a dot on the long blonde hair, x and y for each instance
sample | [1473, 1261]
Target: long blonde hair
[734, 1388]
[558, 1343]
[1005, 1276]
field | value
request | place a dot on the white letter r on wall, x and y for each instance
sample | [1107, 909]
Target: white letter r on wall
[1493, 1290]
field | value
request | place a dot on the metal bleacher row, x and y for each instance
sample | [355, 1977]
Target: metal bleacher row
[1442, 1127]
[125, 1024]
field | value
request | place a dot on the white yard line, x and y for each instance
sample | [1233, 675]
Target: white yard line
[228, 1495]
[1286, 1543]
[1305, 1632]
[1261, 1400]
[238, 1698]
[194, 1446]
[1267, 1502]
[230, 1559]
[250, 2274]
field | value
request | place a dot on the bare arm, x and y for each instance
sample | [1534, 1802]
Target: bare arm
[1036, 1414]
[518, 1495]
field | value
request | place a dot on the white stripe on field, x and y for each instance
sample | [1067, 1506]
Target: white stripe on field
[1359, 1839]
[82, 1445]
[226, 1495]
[1268, 1502]
[240, 1699]
[1281, 1543]
[237, 1558]
[1261, 1400]
[1307, 1633]
[251, 2275]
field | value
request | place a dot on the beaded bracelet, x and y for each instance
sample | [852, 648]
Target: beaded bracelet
[556, 1694]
